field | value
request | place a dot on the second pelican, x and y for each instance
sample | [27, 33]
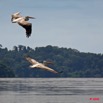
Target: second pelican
[36, 64]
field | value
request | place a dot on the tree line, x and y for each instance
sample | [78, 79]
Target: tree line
[71, 62]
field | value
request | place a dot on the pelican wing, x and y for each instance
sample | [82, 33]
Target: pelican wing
[32, 61]
[27, 26]
[36, 64]
[47, 68]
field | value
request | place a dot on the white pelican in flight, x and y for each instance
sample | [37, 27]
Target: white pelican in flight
[36, 64]
[22, 21]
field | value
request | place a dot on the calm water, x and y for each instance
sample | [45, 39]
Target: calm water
[51, 90]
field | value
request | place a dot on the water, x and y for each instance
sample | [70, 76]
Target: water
[51, 90]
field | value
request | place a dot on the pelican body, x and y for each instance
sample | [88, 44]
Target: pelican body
[22, 21]
[36, 64]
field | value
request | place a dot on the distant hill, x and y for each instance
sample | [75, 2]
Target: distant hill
[72, 62]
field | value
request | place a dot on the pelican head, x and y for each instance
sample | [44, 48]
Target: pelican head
[17, 13]
[15, 16]
[29, 17]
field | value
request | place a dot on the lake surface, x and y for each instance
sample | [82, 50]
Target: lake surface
[51, 90]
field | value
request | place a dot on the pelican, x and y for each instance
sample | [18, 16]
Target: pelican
[22, 21]
[36, 64]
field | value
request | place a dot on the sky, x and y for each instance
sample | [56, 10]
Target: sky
[76, 24]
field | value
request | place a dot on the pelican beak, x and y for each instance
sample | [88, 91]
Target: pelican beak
[31, 17]
[17, 13]
[12, 19]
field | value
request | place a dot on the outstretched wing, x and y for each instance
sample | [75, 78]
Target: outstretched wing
[27, 26]
[47, 68]
[32, 61]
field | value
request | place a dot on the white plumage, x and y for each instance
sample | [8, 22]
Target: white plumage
[22, 21]
[36, 64]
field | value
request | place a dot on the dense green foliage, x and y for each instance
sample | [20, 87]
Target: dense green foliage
[72, 62]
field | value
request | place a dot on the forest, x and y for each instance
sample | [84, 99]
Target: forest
[72, 62]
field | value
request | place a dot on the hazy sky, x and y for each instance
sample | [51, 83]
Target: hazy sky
[76, 24]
